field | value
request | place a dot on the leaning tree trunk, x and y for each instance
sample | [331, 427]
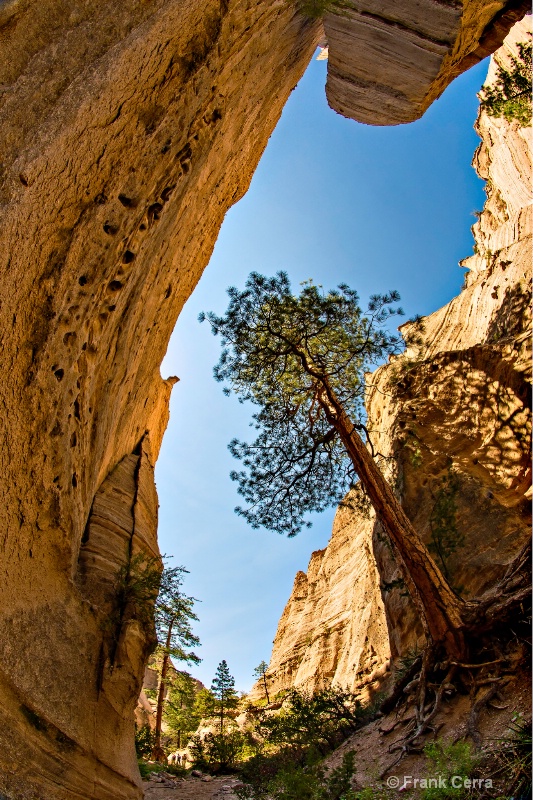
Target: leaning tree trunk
[157, 751]
[266, 690]
[442, 612]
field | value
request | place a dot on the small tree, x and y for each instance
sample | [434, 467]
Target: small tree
[321, 720]
[445, 535]
[260, 672]
[181, 714]
[302, 360]
[173, 616]
[223, 690]
[144, 740]
[204, 704]
[510, 96]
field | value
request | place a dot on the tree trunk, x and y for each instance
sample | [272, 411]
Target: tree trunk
[442, 612]
[157, 752]
[266, 690]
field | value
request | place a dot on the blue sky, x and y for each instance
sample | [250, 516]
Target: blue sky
[336, 201]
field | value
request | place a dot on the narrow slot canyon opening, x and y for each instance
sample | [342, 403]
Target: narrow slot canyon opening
[335, 201]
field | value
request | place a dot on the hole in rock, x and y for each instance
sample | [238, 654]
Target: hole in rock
[126, 201]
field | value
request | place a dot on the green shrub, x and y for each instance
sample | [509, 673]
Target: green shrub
[322, 720]
[143, 769]
[338, 782]
[147, 767]
[259, 770]
[217, 752]
[299, 781]
[144, 740]
[315, 9]
[448, 760]
[510, 96]
[176, 769]
[294, 783]
[516, 754]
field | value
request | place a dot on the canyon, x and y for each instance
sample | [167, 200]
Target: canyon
[127, 132]
[455, 404]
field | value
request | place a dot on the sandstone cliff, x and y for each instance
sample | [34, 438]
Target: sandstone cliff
[333, 628]
[456, 405]
[407, 53]
[127, 130]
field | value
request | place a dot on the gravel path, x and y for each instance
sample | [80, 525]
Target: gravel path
[191, 789]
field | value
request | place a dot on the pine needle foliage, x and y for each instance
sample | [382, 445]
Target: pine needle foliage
[445, 534]
[315, 9]
[174, 616]
[223, 690]
[279, 351]
[510, 96]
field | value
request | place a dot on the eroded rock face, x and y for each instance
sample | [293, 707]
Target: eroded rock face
[407, 52]
[461, 402]
[455, 413]
[333, 628]
[127, 130]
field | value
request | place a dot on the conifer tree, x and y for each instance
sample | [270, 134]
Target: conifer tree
[181, 715]
[302, 359]
[260, 673]
[510, 94]
[173, 616]
[223, 690]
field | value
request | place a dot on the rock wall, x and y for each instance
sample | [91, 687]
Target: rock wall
[127, 130]
[333, 628]
[454, 412]
[407, 53]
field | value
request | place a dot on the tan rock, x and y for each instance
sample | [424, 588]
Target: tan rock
[127, 131]
[407, 52]
[333, 628]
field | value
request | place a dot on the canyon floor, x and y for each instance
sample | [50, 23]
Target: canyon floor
[374, 746]
[192, 789]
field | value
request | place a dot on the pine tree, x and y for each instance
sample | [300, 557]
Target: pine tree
[510, 94]
[223, 690]
[302, 359]
[173, 616]
[180, 715]
[260, 673]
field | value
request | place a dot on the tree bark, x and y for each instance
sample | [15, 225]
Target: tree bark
[157, 752]
[266, 690]
[442, 612]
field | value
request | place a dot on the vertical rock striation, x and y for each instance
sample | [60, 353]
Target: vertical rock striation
[333, 628]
